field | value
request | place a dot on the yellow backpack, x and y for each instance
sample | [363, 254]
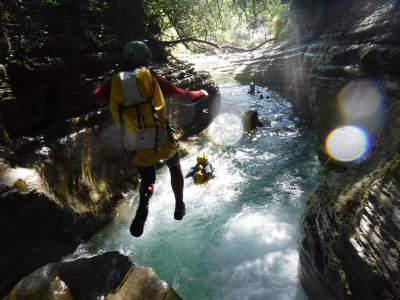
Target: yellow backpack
[246, 120]
[138, 108]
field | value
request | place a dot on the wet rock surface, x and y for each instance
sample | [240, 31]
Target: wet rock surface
[109, 276]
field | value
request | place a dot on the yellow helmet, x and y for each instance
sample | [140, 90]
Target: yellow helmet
[202, 157]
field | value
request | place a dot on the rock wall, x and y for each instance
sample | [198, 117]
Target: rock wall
[350, 233]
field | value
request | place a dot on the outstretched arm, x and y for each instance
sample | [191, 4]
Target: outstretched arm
[171, 91]
[102, 92]
[190, 173]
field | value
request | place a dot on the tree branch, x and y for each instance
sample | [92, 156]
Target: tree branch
[223, 48]
[189, 40]
[247, 50]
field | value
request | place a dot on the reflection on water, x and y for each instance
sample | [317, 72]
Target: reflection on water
[240, 237]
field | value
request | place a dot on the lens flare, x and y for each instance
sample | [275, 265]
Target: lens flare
[226, 129]
[347, 143]
[359, 99]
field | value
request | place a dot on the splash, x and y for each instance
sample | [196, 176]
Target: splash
[347, 143]
[226, 129]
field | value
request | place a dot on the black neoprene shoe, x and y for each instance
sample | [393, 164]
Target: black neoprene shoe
[180, 211]
[138, 222]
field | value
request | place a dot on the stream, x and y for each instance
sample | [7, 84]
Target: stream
[240, 236]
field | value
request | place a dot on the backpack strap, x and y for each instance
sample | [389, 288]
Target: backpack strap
[122, 130]
[121, 119]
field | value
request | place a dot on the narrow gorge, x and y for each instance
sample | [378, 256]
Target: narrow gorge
[62, 174]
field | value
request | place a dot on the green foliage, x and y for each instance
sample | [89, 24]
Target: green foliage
[235, 23]
[283, 26]
[21, 186]
[52, 2]
[301, 17]
[59, 27]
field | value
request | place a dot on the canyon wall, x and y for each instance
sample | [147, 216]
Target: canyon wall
[350, 232]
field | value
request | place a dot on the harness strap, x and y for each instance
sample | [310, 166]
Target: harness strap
[156, 123]
[140, 119]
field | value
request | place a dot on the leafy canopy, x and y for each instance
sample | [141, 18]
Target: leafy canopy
[241, 23]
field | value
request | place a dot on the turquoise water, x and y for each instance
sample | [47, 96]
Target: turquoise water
[240, 237]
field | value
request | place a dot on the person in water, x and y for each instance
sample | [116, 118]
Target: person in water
[136, 55]
[250, 120]
[252, 89]
[203, 171]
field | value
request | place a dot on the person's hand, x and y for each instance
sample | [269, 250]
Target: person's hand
[205, 97]
[193, 97]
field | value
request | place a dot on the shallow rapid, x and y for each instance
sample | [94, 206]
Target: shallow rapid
[240, 237]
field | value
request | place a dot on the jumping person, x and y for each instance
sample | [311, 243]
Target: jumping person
[132, 83]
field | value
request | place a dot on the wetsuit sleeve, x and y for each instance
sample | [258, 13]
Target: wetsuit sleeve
[102, 92]
[171, 91]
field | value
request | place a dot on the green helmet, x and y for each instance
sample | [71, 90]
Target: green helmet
[137, 48]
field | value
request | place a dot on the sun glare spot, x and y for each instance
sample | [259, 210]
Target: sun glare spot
[226, 129]
[359, 99]
[347, 143]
